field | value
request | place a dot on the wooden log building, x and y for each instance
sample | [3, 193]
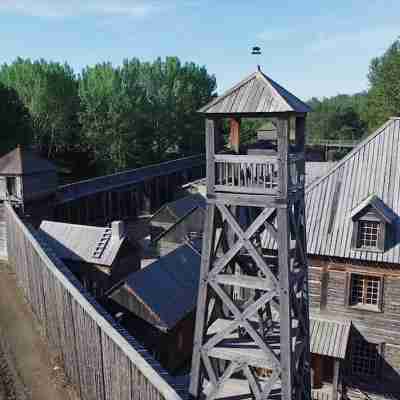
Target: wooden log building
[28, 182]
[98, 256]
[178, 222]
[156, 305]
[353, 246]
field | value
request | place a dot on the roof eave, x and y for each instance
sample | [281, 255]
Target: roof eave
[281, 114]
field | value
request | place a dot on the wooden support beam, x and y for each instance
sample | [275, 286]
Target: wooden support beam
[201, 311]
[284, 265]
[210, 148]
[234, 134]
[336, 378]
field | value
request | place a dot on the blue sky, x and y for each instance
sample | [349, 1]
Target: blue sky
[314, 47]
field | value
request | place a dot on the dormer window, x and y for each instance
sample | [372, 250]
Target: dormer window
[368, 234]
[372, 219]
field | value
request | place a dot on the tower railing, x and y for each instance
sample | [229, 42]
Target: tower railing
[253, 174]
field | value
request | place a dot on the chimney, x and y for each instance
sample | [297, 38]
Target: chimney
[118, 229]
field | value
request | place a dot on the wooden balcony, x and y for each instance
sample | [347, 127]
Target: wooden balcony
[253, 174]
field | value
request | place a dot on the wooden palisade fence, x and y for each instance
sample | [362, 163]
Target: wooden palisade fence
[100, 358]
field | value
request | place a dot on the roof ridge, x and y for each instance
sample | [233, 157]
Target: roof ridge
[349, 155]
[271, 84]
[75, 225]
[228, 92]
[274, 83]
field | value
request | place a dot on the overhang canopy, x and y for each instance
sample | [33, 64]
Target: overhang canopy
[256, 94]
[329, 337]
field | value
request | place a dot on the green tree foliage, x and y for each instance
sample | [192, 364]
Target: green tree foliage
[337, 118]
[142, 113]
[384, 93]
[15, 121]
[49, 91]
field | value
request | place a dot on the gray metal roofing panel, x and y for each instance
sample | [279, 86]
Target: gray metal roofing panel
[373, 167]
[317, 169]
[329, 338]
[78, 242]
[383, 210]
[169, 285]
[183, 206]
[255, 94]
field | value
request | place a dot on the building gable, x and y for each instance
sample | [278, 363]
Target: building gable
[372, 168]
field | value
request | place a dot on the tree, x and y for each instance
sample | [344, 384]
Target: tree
[142, 113]
[174, 93]
[384, 92]
[337, 118]
[15, 121]
[49, 91]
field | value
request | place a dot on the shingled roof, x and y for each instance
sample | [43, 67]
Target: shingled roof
[23, 162]
[372, 168]
[256, 94]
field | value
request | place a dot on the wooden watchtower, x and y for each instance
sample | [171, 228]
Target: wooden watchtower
[252, 322]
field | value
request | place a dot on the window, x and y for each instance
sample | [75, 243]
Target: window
[365, 290]
[368, 234]
[364, 358]
[11, 185]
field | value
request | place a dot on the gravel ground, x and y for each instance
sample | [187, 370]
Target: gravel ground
[11, 387]
[29, 370]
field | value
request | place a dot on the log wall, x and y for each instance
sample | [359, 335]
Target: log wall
[100, 358]
[126, 194]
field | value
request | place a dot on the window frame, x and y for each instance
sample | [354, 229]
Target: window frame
[379, 353]
[369, 217]
[378, 307]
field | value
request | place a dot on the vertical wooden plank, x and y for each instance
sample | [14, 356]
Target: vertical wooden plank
[210, 151]
[335, 381]
[234, 134]
[284, 264]
[201, 312]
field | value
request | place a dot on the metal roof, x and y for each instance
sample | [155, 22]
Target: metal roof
[378, 205]
[23, 162]
[317, 169]
[182, 207]
[79, 242]
[370, 168]
[167, 287]
[329, 338]
[256, 94]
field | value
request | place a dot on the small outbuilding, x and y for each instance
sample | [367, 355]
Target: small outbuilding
[168, 215]
[178, 223]
[25, 177]
[98, 256]
[157, 305]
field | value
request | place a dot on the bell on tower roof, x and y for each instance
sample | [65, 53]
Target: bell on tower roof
[256, 94]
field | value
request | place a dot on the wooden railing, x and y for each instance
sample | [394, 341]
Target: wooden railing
[246, 174]
[254, 174]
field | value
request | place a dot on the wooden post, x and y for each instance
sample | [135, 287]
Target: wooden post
[201, 311]
[210, 152]
[234, 134]
[284, 263]
[336, 377]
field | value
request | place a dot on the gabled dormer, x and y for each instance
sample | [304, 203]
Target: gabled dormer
[372, 221]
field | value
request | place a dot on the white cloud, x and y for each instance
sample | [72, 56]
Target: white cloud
[66, 8]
